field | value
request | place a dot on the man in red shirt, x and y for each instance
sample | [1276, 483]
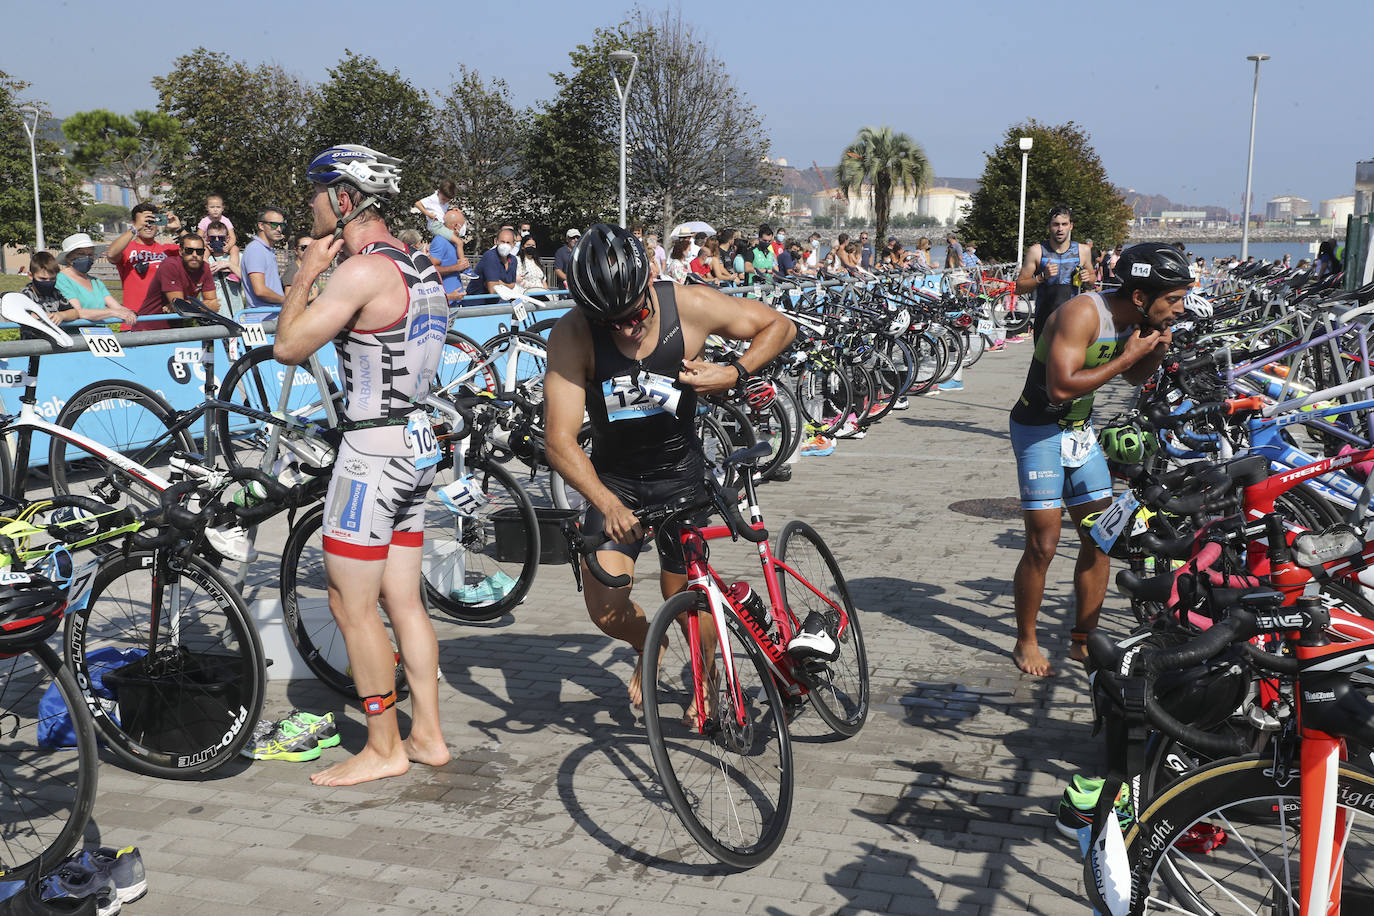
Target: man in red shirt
[136, 254]
[179, 278]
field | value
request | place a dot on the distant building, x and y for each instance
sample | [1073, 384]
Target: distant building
[1338, 210]
[1287, 208]
[948, 205]
[1364, 187]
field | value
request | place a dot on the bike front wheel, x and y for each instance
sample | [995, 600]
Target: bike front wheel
[839, 689]
[1226, 839]
[722, 750]
[48, 763]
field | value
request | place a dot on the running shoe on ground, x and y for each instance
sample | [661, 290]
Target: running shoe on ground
[122, 866]
[997, 348]
[902, 404]
[287, 742]
[492, 588]
[818, 447]
[951, 385]
[69, 885]
[851, 430]
[814, 640]
[1076, 808]
[322, 728]
[782, 473]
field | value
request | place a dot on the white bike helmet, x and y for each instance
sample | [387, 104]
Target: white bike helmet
[1197, 305]
[377, 175]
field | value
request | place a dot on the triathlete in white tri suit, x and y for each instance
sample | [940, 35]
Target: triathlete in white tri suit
[385, 311]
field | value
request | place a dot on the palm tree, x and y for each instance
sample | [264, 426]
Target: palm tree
[887, 161]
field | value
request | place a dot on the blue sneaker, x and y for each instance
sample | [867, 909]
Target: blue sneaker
[951, 385]
[122, 866]
[71, 884]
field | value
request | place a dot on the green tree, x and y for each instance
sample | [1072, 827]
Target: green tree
[572, 149]
[698, 149]
[244, 130]
[127, 149]
[481, 143]
[363, 103]
[1063, 169]
[102, 214]
[888, 162]
[59, 187]
[696, 146]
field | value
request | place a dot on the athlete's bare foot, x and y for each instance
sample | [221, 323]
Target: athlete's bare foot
[364, 766]
[1078, 651]
[430, 753]
[637, 685]
[1031, 660]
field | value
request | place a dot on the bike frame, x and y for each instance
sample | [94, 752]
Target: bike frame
[703, 579]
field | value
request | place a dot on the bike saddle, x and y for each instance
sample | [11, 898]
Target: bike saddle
[23, 311]
[194, 308]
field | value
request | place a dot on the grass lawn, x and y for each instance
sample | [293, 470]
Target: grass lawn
[12, 283]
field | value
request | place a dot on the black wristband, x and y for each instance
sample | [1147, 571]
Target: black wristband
[743, 372]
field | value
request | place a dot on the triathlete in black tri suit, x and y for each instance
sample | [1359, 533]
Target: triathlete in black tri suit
[385, 311]
[630, 356]
[1056, 269]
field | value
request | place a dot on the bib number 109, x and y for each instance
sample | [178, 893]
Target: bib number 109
[102, 343]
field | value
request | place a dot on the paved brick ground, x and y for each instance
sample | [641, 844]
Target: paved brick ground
[942, 804]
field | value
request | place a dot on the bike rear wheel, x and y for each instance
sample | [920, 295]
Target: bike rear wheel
[728, 773]
[839, 689]
[176, 693]
[47, 789]
[305, 605]
[256, 380]
[128, 418]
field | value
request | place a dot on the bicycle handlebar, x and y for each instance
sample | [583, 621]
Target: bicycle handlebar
[171, 518]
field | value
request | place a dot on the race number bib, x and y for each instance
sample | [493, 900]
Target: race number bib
[626, 400]
[464, 497]
[424, 447]
[1076, 446]
[1112, 523]
[985, 326]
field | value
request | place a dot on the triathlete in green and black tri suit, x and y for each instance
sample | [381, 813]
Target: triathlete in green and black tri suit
[1088, 341]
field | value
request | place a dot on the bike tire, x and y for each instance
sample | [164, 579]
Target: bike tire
[192, 707]
[46, 792]
[772, 424]
[256, 380]
[730, 783]
[496, 549]
[825, 397]
[464, 363]
[1014, 313]
[518, 361]
[1259, 809]
[140, 430]
[840, 692]
[305, 607]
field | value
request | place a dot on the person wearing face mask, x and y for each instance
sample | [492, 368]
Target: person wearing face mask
[83, 296]
[222, 256]
[530, 274]
[779, 244]
[497, 266]
[42, 286]
[562, 261]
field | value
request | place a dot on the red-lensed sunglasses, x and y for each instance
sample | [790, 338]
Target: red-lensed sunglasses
[632, 319]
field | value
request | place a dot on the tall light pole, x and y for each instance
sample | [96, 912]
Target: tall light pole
[623, 95]
[33, 157]
[1250, 162]
[1026, 143]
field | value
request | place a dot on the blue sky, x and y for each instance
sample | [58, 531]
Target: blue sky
[1163, 88]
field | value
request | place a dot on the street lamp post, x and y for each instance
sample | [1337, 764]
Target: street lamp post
[1021, 220]
[623, 95]
[1250, 161]
[31, 130]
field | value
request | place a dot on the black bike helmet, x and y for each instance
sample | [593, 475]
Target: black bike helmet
[1153, 267]
[609, 272]
[31, 609]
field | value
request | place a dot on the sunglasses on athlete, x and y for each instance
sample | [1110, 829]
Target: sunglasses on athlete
[631, 319]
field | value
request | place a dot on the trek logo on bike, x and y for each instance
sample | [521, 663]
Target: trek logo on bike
[627, 400]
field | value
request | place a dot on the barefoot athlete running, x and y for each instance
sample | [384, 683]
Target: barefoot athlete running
[1087, 341]
[630, 356]
[385, 311]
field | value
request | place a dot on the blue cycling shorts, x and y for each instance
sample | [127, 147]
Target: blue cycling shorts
[1045, 482]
